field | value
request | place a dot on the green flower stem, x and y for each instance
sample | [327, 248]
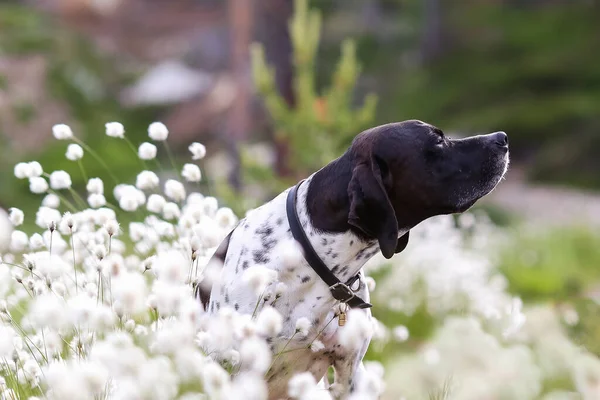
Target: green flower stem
[97, 157]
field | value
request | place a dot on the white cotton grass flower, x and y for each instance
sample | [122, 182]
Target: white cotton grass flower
[269, 322]
[36, 241]
[60, 180]
[115, 129]
[174, 190]
[130, 197]
[303, 325]
[51, 200]
[301, 385]
[22, 170]
[316, 346]
[38, 185]
[157, 131]
[147, 180]
[35, 169]
[155, 203]
[67, 223]
[112, 228]
[255, 355]
[147, 151]
[171, 266]
[258, 278]
[356, 331]
[16, 216]
[225, 218]
[95, 186]
[191, 173]
[18, 241]
[401, 333]
[62, 132]
[216, 380]
[74, 152]
[198, 151]
[45, 217]
[96, 200]
[171, 211]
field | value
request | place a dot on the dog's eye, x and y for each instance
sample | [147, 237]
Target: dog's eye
[440, 140]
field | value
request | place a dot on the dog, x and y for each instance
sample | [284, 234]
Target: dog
[391, 178]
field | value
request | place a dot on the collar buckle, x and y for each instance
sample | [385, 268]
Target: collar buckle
[340, 291]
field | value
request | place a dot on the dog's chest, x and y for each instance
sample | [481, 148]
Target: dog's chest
[264, 239]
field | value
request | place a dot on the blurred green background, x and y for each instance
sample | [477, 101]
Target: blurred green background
[276, 88]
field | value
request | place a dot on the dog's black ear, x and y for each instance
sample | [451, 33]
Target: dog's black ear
[402, 242]
[370, 208]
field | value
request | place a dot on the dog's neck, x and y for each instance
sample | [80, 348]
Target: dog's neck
[323, 213]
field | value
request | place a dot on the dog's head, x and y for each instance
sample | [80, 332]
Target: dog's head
[406, 172]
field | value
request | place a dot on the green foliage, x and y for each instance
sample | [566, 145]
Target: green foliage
[318, 127]
[558, 265]
[83, 80]
[528, 70]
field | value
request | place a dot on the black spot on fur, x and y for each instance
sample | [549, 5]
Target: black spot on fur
[245, 264]
[227, 298]
[236, 306]
[334, 255]
[335, 268]
[218, 306]
[260, 257]
[279, 221]
[324, 241]
[306, 279]
[264, 230]
[351, 242]
[360, 254]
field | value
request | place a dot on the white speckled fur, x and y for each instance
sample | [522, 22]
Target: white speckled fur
[255, 242]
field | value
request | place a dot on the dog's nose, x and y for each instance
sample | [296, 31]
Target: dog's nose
[501, 139]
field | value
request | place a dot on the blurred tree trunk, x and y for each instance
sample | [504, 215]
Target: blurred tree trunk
[433, 39]
[276, 15]
[238, 124]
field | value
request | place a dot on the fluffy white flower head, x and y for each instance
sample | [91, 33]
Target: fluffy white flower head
[51, 200]
[62, 132]
[95, 186]
[146, 180]
[74, 152]
[35, 169]
[155, 203]
[302, 326]
[198, 151]
[38, 185]
[16, 216]
[147, 151]
[191, 173]
[258, 278]
[174, 190]
[22, 170]
[96, 200]
[115, 129]
[60, 180]
[269, 322]
[158, 131]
